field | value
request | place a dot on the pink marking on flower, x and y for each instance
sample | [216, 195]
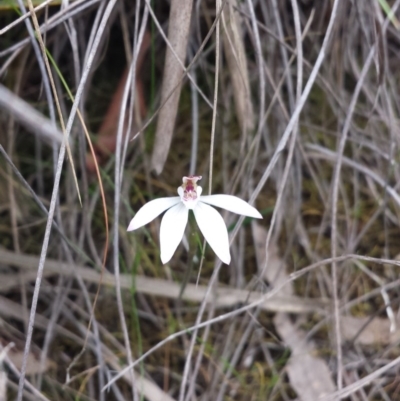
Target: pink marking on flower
[190, 187]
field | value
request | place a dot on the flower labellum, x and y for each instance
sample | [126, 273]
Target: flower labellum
[210, 222]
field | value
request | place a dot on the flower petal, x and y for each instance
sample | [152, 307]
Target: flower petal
[232, 203]
[213, 227]
[151, 210]
[172, 229]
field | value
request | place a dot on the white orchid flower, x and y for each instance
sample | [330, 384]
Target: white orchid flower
[208, 219]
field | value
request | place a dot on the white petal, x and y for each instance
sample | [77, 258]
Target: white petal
[213, 227]
[151, 210]
[232, 203]
[172, 229]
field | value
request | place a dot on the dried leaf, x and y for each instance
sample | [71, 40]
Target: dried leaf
[368, 331]
[309, 375]
[237, 64]
[33, 365]
[178, 35]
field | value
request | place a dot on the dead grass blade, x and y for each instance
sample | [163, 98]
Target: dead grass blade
[55, 94]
